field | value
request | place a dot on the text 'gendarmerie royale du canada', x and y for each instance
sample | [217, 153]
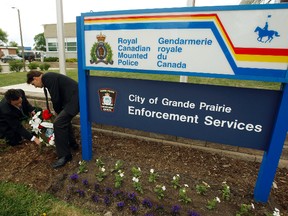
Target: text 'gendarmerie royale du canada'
[130, 51]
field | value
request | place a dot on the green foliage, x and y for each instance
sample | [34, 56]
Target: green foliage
[71, 60]
[51, 59]
[153, 176]
[44, 66]
[33, 65]
[40, 42]
[102, 174]
[160, 191]
[118, 166]
[82, 167]
[3, 37]
[183, 197]
[245, 209]
[16, 65]
[99, 163]
[211, 204]
[136, 171]
[13, 44]
[18, 199]
[202, 188]
[119, 179]
[225, 191]
[175, 181]
[22, 200]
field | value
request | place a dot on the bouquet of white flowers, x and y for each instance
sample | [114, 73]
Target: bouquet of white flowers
[42, 126]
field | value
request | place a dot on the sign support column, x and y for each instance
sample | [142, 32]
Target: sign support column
[271, 158]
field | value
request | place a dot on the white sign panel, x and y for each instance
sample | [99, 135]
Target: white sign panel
[245, 41]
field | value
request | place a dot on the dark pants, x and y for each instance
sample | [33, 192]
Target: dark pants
[64, 135]
[12, 138]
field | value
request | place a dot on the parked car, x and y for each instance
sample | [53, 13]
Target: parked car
[28, 55]
[8, 58]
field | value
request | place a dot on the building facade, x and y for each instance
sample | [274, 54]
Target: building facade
[70, 40]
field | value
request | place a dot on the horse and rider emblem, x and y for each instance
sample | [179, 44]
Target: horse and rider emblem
[265, 33]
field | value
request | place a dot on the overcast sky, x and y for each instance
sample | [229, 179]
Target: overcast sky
[35, 13]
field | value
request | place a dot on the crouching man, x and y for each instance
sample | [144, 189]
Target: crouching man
[14, 108]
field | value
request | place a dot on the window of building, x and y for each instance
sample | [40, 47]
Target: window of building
[70, 46]
[52, 46]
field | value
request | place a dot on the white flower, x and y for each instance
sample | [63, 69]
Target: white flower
[276, 212]
[207, 185]
[36, 115]
[36, 130]
[139, 169]
[121, 174]
[46, 124]
[252, 205]
[151, 170]
[35, 122]
[186, 185]
[51, 142]
[176, 177]
[218, 200]
[134, 179]
[102, 169]
[163, 188]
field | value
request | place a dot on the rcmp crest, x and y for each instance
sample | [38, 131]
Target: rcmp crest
[101, 51]
[107, 98]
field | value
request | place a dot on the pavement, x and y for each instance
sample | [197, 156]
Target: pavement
[30, 90]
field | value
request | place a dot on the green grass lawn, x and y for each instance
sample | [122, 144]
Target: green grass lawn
[20, 77]
[18, 199]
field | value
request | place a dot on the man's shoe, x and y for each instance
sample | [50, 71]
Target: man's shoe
[62, 161]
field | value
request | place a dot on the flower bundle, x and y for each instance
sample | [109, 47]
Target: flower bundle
[42, 125]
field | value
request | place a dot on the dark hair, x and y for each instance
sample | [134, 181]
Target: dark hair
[32, 74]
[12, 95]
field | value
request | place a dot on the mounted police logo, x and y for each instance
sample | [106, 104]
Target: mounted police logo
[101, 51]
[107, 98]
[266, 33]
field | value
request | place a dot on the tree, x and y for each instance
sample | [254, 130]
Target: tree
[3, 37]
[13, 44]
[40, 42]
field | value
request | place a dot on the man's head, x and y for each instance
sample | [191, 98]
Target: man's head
[14, 97]
[35, 78]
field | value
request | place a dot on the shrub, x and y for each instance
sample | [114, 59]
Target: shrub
[51, 59]
[44, 66]
[16, 65]
[71, 60]
[33, 65]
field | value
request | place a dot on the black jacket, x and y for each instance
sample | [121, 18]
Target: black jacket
[11, 117]
[63, 92]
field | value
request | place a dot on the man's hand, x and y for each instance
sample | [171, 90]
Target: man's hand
[37, 141]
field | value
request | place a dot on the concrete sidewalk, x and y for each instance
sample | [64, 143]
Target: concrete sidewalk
[29, 89]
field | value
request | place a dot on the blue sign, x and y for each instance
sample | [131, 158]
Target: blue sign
[235, 116]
